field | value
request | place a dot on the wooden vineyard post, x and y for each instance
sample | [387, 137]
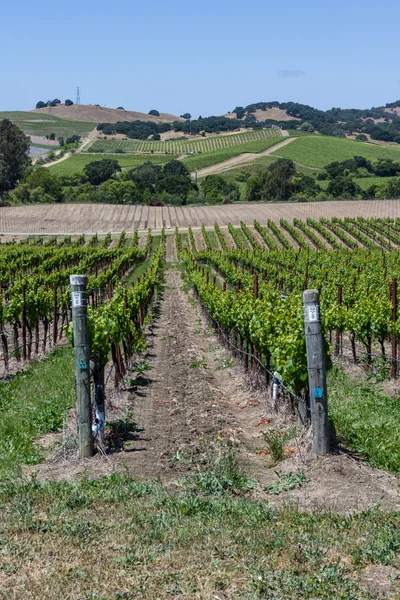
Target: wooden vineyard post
[337, 340]
[394, 319]
[23, 322]
[82, 364]
[316, 372]
[253, 350]
[55, 316]
[3, 335]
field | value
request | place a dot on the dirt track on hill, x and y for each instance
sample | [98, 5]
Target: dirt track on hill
[73, 219]
[242, 159]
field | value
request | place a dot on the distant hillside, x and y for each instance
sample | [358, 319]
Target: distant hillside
[274, 114]
[101, 114]
[377, 123]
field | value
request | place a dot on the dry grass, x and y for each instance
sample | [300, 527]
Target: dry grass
[101, 114]
[276, 114]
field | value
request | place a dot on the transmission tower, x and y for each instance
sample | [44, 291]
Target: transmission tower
[78, 96]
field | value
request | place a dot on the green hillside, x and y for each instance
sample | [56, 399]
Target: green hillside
[77, 162]
[182, 146]
[41, 125]
[319, 151]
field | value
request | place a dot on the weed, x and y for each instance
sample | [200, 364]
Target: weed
[144, 366]
[366, 420]
[178, 457]
[287, 482]
[226, 364]
[198, 363]
[222, 473]
[275, 444]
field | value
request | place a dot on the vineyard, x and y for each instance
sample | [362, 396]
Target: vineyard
[254, 296]
[319, 151]
[35, 315]
[253, 141]
[189, 333]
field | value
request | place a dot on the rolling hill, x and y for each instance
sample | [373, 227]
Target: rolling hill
[319, 151]
[102, 114]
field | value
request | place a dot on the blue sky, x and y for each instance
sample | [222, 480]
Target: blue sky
[203, 57]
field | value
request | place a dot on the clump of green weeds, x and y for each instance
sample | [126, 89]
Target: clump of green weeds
[198, 363]
[275, 443]
[222, 473]
[287, 482]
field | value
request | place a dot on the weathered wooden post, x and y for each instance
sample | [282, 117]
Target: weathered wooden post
[23, 322]
[82, 364]
[55, 315]
[338, 334]
[316, 373]
[394, 319]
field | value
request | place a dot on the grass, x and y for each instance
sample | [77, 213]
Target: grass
[319, 151]
[142, 267]
[363, 182]
[208, 159]
[366, 420]
[118, 538]
[40, 125]
[77, 162]
[212, 239]
[207, 144]
[33, 403]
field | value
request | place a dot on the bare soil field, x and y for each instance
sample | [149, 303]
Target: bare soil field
[100, 218]
[102, 114]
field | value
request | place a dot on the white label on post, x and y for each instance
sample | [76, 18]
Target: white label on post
[77, 299]
[313, 313]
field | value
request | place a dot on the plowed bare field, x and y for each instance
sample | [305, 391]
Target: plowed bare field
[87, 218]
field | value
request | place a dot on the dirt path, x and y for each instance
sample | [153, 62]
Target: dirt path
[242, 159]
[85, 144]
[192, 399]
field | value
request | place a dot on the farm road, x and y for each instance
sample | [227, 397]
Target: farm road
[242, 159]
[85, 144]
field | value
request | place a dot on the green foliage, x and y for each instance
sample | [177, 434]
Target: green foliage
[99, 171]
[307, 127]
[275, 444]
[77, 162]
[14, 149]
[287, 482]
[319, 151]
[251, 141]
[39, 186]
[216, 190]
[366, 420]
[274, 184]
[32, 404]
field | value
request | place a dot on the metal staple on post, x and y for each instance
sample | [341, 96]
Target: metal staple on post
[316, 372]
[82, 364]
